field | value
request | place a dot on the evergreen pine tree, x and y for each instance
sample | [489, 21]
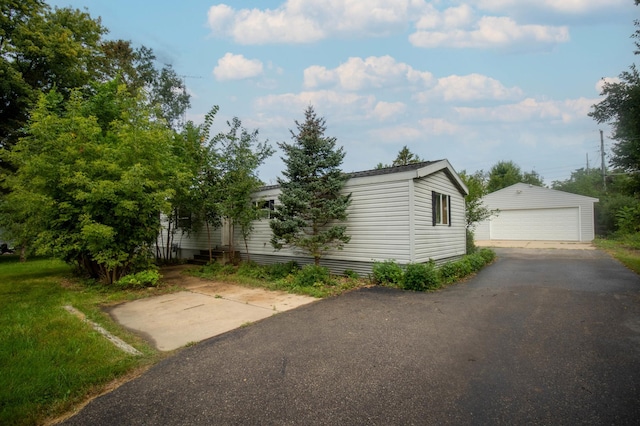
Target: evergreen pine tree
[311, 202]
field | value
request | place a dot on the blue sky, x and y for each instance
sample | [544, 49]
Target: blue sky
[475, 81]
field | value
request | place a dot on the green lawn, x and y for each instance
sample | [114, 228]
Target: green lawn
[626, 249]
[49, 359]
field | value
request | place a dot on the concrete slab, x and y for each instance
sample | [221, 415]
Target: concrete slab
[204, 310]
[566, 245]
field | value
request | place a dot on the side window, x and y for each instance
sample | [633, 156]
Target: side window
[266, 208]
[441, 211]
[183, 219]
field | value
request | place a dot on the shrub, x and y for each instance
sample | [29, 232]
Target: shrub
[471, 243]
[252, 270]
[148, 278]
[351, 274]
[387, 272]
[476, 261]
[448, 272]
[420, 276]
[488, 255]
[311, 275]
[281, 270]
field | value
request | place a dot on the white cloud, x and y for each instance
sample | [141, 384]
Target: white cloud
[552, 6]
[472, 87]
[530, 110]
[345, 105]
[463, 26]
[304, 21]
[402, 133]
[438, 126]
[491, 31]
[606, 80]
[386, 110]
[372, 72]
[237, 67]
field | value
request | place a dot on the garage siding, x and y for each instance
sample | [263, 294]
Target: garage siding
[561, 224]
[544, 214]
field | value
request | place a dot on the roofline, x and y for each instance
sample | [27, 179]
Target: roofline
[422, 169]
[595, 200]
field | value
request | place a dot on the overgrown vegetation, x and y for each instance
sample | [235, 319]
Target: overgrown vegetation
[317, 281]
[50, 359]
[310, 280]
[625, 248]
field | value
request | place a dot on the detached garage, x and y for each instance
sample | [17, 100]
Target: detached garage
[528, 212]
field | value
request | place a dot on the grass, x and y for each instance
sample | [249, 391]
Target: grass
[626, 249]
[51, 360]
[282, 277]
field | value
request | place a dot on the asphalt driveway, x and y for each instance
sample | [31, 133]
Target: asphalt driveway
[539, 337]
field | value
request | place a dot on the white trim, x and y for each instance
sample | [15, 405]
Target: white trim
[412, 222]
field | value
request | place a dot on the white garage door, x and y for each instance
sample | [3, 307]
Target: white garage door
[540, 224]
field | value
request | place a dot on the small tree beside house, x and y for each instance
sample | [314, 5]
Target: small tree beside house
[311, 202]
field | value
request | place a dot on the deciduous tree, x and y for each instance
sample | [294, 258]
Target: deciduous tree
[99, 190]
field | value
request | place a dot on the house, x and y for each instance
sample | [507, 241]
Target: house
[410, 214]
[529, 212]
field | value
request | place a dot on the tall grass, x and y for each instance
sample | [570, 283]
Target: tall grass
[49, 359]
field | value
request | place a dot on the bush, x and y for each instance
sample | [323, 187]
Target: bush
[281, 270]
[311, 275]
[476, 261]
[488, 255]
[420, 276]
[148, 278]
[253, 270]
[351, 274]
[471, 242]
[387, 272]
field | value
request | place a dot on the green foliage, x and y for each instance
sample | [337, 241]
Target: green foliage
[619, 108]
[148, 278]
[420, 276]
[387, 272]
[41, 49]
[239, 154]
[628, 220]
[281, 270]
[351, 274]
[475, 209]
[311, 203]
[92, 196]
[507, 173]
[471, 244]
[312, 275]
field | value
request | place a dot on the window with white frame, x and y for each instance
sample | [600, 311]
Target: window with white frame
[441, 209]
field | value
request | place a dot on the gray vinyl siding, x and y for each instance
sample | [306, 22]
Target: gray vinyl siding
[188, 245]
[389, 219]
[378, 223]
[440, 241]
[523, 196]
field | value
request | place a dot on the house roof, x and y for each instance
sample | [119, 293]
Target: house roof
[525, 188]
[423, 168]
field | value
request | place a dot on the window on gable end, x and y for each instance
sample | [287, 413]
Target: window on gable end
[441, 209]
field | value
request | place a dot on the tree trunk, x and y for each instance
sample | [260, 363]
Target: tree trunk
[209, 241]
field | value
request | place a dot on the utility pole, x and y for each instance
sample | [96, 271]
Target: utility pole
[587, 163]
[604, 176]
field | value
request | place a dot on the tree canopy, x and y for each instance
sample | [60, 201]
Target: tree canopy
[311, 201]
[92, 195]
[507, 173]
